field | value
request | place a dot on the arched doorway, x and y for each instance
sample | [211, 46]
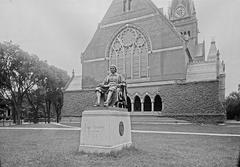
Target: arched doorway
[147, 103]
[129, 106]
[137, 104]
[157, 103]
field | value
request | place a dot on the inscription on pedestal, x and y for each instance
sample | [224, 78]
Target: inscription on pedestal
[95, 130]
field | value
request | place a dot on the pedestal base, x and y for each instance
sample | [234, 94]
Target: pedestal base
[104, 130]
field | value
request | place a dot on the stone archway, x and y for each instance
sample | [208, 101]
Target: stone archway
[157, 103]
[129, 106]
[147, 104]
[137, 104]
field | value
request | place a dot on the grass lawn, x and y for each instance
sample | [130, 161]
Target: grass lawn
[40, 125]
[52, 148]
[195, 128]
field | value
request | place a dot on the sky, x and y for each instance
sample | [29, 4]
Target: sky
[59, 30]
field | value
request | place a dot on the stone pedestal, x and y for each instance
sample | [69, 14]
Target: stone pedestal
[104, 130]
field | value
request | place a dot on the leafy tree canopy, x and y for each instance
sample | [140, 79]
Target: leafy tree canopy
[22, 73]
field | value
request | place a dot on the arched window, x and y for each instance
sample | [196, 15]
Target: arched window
[137, 104]
[129, 106]
[157, 103]
[147, 103]
[129, 52]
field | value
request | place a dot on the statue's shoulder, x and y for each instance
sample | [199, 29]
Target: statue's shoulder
[121, 77]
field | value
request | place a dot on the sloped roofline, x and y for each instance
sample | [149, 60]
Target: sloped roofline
[68, 83]
[164, 19]
[154, 7]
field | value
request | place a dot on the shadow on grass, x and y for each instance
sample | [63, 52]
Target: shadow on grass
[125, 152]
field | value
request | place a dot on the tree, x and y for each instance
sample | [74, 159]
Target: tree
[23, 76]
[233, 106]
[19, 74]
[36, 100]
[56, 80]
[3, 109]
[57, 102]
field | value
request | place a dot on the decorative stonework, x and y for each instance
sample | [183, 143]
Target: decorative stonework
[129, 51]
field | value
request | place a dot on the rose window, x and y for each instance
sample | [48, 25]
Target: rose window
[129, 52]
[128, 37]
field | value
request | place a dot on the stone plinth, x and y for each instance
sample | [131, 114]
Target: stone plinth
[104, 130]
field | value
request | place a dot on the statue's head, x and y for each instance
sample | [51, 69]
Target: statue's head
[113, 69]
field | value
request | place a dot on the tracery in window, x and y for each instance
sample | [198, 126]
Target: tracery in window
[129, 52]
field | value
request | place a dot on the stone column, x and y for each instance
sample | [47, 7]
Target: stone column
[152, 105]
[142, 105]
[132, 106]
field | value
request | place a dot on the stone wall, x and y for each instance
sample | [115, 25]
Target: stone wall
[184, 98]
[192, 98]
[76, 101]
[201, 71]
[197, 101]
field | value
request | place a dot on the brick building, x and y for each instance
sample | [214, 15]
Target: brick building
[166, 68]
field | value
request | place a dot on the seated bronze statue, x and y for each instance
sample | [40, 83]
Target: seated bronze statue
[113, 90]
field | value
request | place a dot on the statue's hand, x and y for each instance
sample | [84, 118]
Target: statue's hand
[106, 86]
[121, 84]
[100, 85]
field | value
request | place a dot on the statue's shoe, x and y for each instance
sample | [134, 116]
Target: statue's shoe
[96, 105]
[106, 105]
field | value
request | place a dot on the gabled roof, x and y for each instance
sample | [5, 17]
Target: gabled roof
[115, 15]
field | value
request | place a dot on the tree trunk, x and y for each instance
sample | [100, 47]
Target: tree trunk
[35, 108]
[49, 111]
[58, 114]
[35, 115]
[14, 115]
[18, 119]
[16, 109]
[45, 113]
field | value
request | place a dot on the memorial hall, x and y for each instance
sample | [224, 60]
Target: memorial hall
[167, 69]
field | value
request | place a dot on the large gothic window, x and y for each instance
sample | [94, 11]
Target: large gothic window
[129, 52]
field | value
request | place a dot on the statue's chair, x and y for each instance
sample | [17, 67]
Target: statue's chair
[121, 101]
